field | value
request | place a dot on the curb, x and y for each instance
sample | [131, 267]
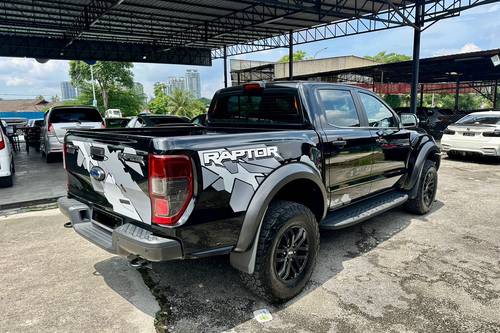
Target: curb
[28, 203]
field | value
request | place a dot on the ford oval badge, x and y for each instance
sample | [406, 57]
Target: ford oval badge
[97, 173]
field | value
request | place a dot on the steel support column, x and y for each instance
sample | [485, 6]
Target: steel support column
[495, 94]
[290, 55]
[457, 93]
[419, 10]
[421, 102]
[225, 67]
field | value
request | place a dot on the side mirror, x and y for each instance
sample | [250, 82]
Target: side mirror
[409, 120]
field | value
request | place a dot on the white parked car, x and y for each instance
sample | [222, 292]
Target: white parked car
[113, 113]
[59, 119]
[6, 159]
[477, 132]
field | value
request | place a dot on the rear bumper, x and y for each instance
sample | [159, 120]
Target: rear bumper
[124, 240]
[53, 145]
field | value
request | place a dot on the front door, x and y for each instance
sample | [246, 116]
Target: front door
[391, 144]
[347, 147]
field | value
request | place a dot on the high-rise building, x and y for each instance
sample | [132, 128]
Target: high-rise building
[175, 83]
[68, 92]
[193, 82]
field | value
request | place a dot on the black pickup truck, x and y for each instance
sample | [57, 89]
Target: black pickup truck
[273, 165]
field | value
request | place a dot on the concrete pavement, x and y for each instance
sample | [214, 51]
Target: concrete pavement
[394, 273]
[52, 280]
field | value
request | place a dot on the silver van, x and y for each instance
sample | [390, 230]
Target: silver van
[59, 119]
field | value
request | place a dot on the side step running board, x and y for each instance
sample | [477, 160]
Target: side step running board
[363, 210]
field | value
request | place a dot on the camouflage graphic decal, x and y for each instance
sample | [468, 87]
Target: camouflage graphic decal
[238, 171]
[118, 186]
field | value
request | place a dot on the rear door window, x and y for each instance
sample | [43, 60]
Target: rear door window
[73, 115]
[339, 107]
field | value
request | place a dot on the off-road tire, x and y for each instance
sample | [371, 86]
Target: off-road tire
[280, 217]
[419, 205]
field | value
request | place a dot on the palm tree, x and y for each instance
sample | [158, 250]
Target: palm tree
[182, 103]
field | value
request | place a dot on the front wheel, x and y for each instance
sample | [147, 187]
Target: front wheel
[287, 249]
[426, 192]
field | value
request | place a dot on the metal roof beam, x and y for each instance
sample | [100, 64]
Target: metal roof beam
[89, 16]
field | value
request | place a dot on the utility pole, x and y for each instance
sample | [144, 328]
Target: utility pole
[94, 100]
[290, 55]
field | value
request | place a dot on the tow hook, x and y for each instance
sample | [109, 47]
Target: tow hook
[138, 262]
[68, 225]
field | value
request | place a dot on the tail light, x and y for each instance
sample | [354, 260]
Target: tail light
[50, 129]
[103, 125]
[2, 141]
[170, 187]
[448, 131]
[495, 133]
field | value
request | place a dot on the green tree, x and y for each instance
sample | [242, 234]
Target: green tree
[297, 56]
[394, 101]
[109, 75]
[182, 103]
[385, 58]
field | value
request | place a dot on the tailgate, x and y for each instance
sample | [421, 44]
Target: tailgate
[110, 172]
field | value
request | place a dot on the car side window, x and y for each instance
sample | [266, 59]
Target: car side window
[339, 107]
[378, 114]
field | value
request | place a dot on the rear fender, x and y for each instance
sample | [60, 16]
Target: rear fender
[243, 256]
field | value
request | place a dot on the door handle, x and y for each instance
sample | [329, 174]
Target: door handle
[339, 143]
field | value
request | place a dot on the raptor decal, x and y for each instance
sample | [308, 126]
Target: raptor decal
[238, 171]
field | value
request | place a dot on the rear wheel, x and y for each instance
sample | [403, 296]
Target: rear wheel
[49, 158]
[426, 192]
[286, 253]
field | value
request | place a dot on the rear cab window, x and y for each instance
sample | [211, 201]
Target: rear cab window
[472, 119]
[72, 115]
[267, 106]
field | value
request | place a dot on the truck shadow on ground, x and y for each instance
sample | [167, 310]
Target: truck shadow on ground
[207, 294]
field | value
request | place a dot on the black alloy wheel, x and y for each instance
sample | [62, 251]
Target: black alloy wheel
[292, 253]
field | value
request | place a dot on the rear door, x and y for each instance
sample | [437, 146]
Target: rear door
[391, 144]
[64, 119]
[347, 146]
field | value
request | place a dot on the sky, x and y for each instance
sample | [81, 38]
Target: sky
[475, 29]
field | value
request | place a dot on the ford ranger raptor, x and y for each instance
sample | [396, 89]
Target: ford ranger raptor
[273, 165]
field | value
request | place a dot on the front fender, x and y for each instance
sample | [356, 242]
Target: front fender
[243, 256]
[424, 151]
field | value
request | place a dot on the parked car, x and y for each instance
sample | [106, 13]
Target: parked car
[477, 133]
[275, 163]
[433, 120]
[59, 119]
[116, 122]
[113, 113]
[32, 134]
[151, 120]
[7, 168]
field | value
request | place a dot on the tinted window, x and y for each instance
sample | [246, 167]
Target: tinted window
[479, 120]
[378, 114]
[75, 115]
[270, 106]
[339, 107]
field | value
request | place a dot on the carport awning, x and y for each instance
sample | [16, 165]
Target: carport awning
[187, 31]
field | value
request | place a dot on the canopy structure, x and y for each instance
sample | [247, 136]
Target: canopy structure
[193, 32]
